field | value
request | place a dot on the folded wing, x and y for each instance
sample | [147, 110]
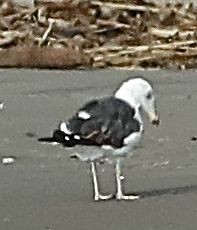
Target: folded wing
[103, 122]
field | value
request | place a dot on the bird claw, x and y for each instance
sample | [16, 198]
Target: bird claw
[125, 197]
[103, 197]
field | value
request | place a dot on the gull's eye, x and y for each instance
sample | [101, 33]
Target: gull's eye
[149, 95]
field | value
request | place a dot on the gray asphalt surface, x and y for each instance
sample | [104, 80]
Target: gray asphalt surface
[45, 189]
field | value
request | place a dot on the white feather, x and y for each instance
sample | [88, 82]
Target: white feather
[84, 115]
[64, 128]
[77, 137]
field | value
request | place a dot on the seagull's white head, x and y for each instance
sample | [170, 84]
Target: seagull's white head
[139, 94]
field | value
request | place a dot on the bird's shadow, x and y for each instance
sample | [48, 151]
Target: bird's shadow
[167, 191]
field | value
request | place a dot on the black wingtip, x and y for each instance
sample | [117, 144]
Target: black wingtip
[46, 139]
[59, 137]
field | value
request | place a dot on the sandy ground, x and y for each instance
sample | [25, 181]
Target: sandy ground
[45, 189]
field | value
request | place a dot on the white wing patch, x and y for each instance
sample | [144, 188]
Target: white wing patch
[67, 138]
[84, 115]
[76, 137]
[64, 128]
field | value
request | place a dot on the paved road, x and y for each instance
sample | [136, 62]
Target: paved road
[45, 189]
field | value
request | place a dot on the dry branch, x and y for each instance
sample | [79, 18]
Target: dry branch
[129, 7]
[46, 33]
[163, 33]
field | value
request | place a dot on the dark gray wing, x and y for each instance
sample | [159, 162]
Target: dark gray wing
[108, 122]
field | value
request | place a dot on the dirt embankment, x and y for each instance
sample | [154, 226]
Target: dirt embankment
[70, 34]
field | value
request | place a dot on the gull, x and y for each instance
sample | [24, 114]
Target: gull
[111, 127]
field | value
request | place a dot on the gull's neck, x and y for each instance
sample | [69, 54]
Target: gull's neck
[134, 100]
[130, 95]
